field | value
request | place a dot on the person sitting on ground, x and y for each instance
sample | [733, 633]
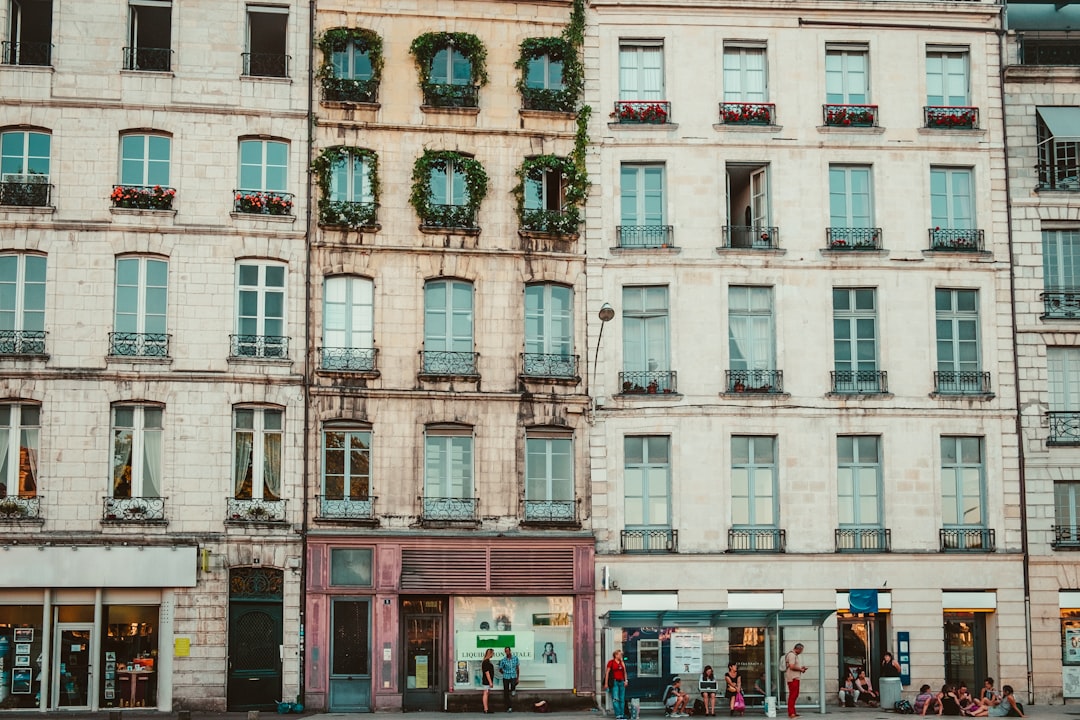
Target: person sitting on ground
[968, 704]
[866, 690]
[950, 705]
[926, 702]
[988, 695]
[849, 695]
[675, 699]
[1008, 701]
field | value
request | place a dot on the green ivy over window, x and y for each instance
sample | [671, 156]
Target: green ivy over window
[425, 47]
[574, 32]
[574, 184]
[476, 181]
[573, 78]
[350, 89]
[343, 212]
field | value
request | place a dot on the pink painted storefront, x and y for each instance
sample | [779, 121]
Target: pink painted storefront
[401, 622]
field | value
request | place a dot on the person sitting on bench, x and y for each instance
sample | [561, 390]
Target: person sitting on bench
[675, 699]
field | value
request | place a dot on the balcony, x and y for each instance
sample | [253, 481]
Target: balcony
[148, 59]
[547, 99]
[449, 363]
[20, 507]
[555, 222]
[744, 113]
[1062, 175]
[450, 509]
[650, 540]
[961, 382]
[148, 345]
[551, 512]
[349, 90]
[856, 116]
[956, 239]
[26, 53]
[443, 95]
[637, 237]
[863, 540]
[142, 197]
[1053, 49]
[843, 239]
[549, 365]
[266, 64]
[250, 510]
[345, 213]
[261, 347]
[450, 217]
[25, 190]
[967, 539]
[1061, 305]
[754, 381]
[940, 117]
[1066, 537]
[757, 540]
[648, 382]
[751, 237]
[134, 510]
[641, 112]
[859, 382]
[348, 359]
[22, 342]
[343, 508]
[258, 202]
[1064, 428]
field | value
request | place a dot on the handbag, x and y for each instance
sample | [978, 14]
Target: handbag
[739, 703]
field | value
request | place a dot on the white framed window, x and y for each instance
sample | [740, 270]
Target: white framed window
[641, 195]
[847, 75]
[22, 303]
[448, 326]
[962, 481]
[850, 197]
[451, 67]
[641, 70]
[1061, 260]
[1063, 378]
[350, 180]
[352, 63]
[260, 317]
[544, 73]
[957, 322]
[149, 35]
[346, 463]
[1067, 512]
[745, 74]
[646, 339]
[20, 429]
[448, 463]
[145, 160]
[30, 33]
[751, 328]
[549, 468]
[947, 78]
[264, 165]
[448, 185]
[549, 321]
[858, 480]
[257, 453]
[136, 458]
[753, 481]
[952, 198]
[348, 323]
[24, 156]
[267, 41]
[647, 480]
[142, 295]
[855, 330]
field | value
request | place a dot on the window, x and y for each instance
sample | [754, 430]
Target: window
[549, 331]
[451, 67]
[350, 566]
[1066, 513]
[851, 213]
[1058, 140]
[30, 35]
[957, 321]
[745, 78]
[346, 464]
[448, 185]
[847, 77]
[1061, 260]
[549, 476]
[348, 324]
[947, 78]
[142, 292]
[350, 180]
[266, 41]
[951, 199]
[20, 425]
[260, 319]
[257, 453]
[352, 63]
[149, 35]
[448, 474]
[22, 304]
[263, 165]
[753, 481]
[545, 191]
[641, 206]
[859, 480]
[544, 73]
[646, 345]
[641, 71]
[24, 168]
[144, 160]
[647, 480]
[855, 362]
[136, 459]
[748, 207]
[751, 340]
[1063, 388]
[962, 481]
[448, 328]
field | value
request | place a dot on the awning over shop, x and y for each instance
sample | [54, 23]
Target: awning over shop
[1062, 122]
[1028, 15]
[715, 618]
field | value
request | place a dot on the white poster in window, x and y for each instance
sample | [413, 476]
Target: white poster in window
[686, 653]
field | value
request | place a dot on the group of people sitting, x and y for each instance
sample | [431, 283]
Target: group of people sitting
[956, 700]
[854, 690]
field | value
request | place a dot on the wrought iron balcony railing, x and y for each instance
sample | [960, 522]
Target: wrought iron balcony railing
[20, 507]
[445, 95]
[648, 382]
[142, 197]
[348, 359]
[643, 236]
[262, 202]
[348, 214]
[1048, 50]
[148, 59]
[1064, 427]
[1065, 536]
[961, 382]
[336, 89]
[25, 190]
[22, 342]
[1061, 304]
[942, 117]
[1061, 175]
[751, 237]
[134, 509]
[557, 222]
[250, 510]
[124, 344]
[549, 365]
[449, 509]
[956, 239]
[967, 539]
[850, 115]
[449, 362]
[264, 347]
[642, 112]
[859, 382]
[550, 511]
[765, 540]
[451, 217]
[754, 381]
[853, 238]
[26, 53]
[266, 64]
[747, 113]
[863, 539]
[650, 540]
[558, 100]
[343, 508]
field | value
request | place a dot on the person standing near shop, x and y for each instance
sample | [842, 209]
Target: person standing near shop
[615, 682]
[508, 667]
[793, 671]
[487, 676]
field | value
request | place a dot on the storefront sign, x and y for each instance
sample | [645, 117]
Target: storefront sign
[686, 653]
[470, 645]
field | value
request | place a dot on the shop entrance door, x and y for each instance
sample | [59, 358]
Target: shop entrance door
[965, 648]
[863, 640]
[423, 623]
[255, 639]
[350, 655]
[72, 670]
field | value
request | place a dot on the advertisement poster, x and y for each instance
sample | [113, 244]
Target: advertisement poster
[686, 655]
[1072, 645]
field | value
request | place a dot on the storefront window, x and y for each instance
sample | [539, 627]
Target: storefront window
[130, 650]
[20, 656]
[350, 566]
[1070, 637]
[539, 630]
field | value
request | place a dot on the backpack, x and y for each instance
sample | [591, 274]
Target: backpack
[903, 707]
[699, 707]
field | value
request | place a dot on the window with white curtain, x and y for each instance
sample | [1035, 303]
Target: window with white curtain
[1063, 378]
[645, 329]
[257, 435]
[641, 70]
[751, 331]
[136, 459]
[745, 77]
[348, 324]
[957, 323]
[20, 426]
[854, 330]
[142, 289]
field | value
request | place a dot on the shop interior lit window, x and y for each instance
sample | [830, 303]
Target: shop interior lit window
[1070, 637]
[129, 656]
[20, 656]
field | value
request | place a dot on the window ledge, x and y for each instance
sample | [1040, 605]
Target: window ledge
[845, 253]
[267, 79]
[33, 357]
[123, 522]
[138, 360]
[982, 397]
[41, 210]
[859, 395]
[550, 379]
[868, 130]
[667, 396]
[747, 127]
[642, 126]
[257, 523]
[756, 395]
[961, 132]
[432, 230]
[439, 110]
[352, 522]
[539, 235]
[550, 524]
[621, 250]
[253, 361]
[1063, 443]
[265, 217]
[20, 521]
[447, 377]
[140, 211]
[169, 74]
[547, 114]
[360, 374]
[981, 254]
[750, 251]
[348, 105]
[447, 524]
[28, 68]
[337, 227]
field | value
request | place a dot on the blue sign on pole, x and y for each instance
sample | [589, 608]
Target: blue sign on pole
[903, 656]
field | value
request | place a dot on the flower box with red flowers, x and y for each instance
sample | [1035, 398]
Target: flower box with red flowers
[952, 118]
[850, 115]
[263, 203]
[642, 112]
[739, 113]
[142, 197]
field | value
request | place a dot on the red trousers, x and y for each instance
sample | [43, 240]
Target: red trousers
[792, 695]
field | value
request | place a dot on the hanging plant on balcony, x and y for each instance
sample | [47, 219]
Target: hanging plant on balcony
[574, 183]
[339, 39]
[573, 74]
[476, 181]
[425, 47]
[341, 212]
